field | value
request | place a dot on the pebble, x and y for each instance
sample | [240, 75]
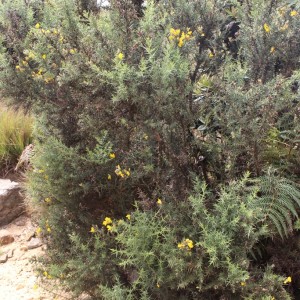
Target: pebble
[24, 248]
[3, 258]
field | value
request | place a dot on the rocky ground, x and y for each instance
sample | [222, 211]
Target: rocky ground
[18, 280]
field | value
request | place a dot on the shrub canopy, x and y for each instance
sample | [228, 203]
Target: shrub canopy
[148, 118]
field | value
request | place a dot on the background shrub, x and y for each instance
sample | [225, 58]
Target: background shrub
[15, 135]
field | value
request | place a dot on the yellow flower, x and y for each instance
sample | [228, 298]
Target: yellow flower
[112, 155]
[93, 230]
[108, 177]
[210, 55]
[35, 287]
[128, 217]
[159, 202]
[107, 221]
[44, 56]
[180, 246]
[45, 273]
[109, 228]
[180, 43]
[243, 283]
[38, 230]
[47, 200]
[189, 243]
[288, 280]
[18, 67]
[267, 28]
[294, 13]
[41, 171]
[120, 56]
[127, 172]
[72, 51]
[49, 229]
[272, 50]
[37, 25]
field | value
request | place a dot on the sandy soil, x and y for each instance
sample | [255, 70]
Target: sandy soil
[18, 280]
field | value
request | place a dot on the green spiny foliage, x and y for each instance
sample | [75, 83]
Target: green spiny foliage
[134, 103]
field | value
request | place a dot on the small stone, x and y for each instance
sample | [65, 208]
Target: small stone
[34, 243]
[24, 248]
[10, 253]
[3, 258]
[5, 238]
[19, 287]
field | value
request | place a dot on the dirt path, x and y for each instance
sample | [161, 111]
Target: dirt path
[18, 280]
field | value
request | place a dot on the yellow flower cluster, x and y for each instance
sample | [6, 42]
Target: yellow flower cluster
[180, 36]
[52, 31]
[159, 202]
[112, 155]
[122, 173]
[47, 275]
[39, 230]
[107, 223]
[293, 13]
[48, 200]
[186, 244]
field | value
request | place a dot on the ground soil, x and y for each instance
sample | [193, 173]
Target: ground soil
[18, 279]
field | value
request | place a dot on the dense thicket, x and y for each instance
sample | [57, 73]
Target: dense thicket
[167, 143]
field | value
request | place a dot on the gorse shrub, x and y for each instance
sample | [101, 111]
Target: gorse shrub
[148, 118]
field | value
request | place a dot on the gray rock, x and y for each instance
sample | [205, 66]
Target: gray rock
[34, 243]
[3, 258]
[11, 202]
[5, 237]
